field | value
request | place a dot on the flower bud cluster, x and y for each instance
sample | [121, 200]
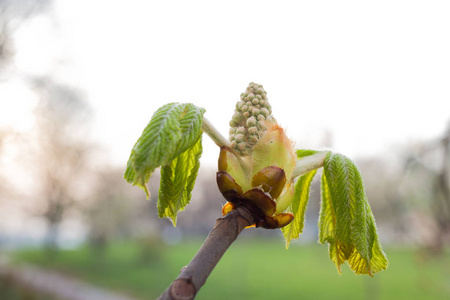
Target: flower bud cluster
[248, 121]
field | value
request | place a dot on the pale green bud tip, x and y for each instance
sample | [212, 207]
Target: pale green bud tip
[251, 122]
[247, 123]
[253, 138]
[261, 124]
[241, 130]
[253, 130]
[237, 117]
[242, 146]
[255, 111]
[239, 137]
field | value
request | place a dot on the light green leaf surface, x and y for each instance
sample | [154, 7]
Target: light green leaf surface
[305, 152]
[298, 207]
[177, 182]
[172, 130]
[346, 220]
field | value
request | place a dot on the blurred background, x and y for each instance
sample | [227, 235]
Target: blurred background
[79, 81]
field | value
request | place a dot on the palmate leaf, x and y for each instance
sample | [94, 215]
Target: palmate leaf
[173, 129]
[346, 220]
[177, 182]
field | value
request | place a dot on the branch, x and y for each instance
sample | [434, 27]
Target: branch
[193, 277]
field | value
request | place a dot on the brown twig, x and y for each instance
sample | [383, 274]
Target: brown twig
[193, 277]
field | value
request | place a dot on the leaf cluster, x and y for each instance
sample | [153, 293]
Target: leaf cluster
[346, 220]
[172, 141]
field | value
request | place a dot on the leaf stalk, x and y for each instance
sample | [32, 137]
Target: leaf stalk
[215, 135]
[309, 163]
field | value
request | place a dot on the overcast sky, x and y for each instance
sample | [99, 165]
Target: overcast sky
[373, 74]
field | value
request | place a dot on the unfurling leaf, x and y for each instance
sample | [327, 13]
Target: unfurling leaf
[177, 182]
[173, 129]
[346, 220]
[298, 207]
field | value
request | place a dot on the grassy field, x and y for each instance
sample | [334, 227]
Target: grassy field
[255, 269]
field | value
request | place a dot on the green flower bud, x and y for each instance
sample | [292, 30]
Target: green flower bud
[253, 139]
[239, 137]
[265, 112]
[255, 111]
[252, 109]
[241, 146]
[241, 130]
[251, 121]
[253, 130]
[237, 117]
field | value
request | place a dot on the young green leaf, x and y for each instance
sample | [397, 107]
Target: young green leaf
[298, 207]
[305, 152]
[346, 220]
[172, 130]
[177, 182]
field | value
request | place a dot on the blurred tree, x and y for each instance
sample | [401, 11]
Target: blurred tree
[115, 210]
[429, 167]
[206, 202]
[109, 210]
[12, 14]
[383, 176]
[59, 152]
[3, 186]
[442, 190]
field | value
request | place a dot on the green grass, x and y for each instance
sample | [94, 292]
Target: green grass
[12, 290]
[256, 269]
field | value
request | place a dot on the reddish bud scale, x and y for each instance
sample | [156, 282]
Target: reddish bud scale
[267, 185]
